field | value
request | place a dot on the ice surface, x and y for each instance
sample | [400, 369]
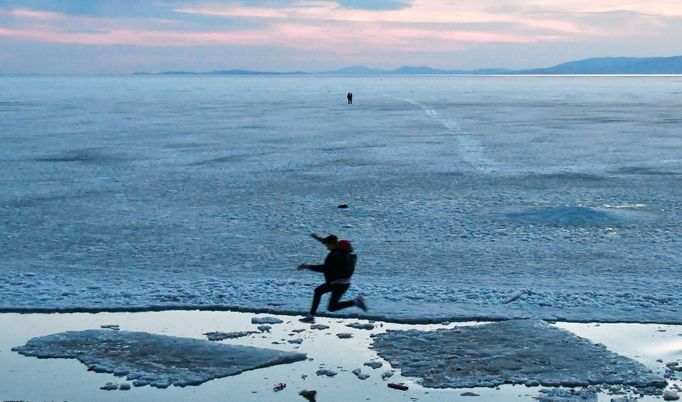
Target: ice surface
[133, 193]
[512, 352]
[361, 325]
[567, 395]
[374, 365]
[156, 360]
[567, 216]
[217, 336]
[266, 320]
[358, 373]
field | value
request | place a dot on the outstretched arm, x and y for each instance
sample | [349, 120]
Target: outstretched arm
[316, 237]
[316, 268]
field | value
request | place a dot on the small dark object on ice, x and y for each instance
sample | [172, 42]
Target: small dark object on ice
[469, 394]
[309, 395]
[358, 325]
[308, 319]
[343, 206]
[374, 365]
[279, 387]
[328, 373]
[399, 386]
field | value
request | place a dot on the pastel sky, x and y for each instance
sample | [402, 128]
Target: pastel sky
[121, 36]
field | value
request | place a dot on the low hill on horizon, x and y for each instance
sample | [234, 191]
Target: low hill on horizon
[596, 65]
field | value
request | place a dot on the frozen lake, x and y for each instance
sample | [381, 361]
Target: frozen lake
[469, 197]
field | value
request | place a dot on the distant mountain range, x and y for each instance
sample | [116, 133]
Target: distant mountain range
[599, 65]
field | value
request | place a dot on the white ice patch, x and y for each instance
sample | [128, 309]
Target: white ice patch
[156, 360]
[510, 352]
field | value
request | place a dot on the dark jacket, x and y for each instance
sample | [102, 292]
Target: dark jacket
[339, 264]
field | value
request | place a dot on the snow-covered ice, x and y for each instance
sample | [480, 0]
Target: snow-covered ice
[152, 193]
[156, 360]
[510, 352]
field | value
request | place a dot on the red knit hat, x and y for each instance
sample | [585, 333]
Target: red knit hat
[345, 244]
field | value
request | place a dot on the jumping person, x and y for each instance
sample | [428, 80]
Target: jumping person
[338, 267]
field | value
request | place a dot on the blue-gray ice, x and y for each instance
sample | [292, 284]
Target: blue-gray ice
[510, 352]
[469, 197]
[156, 360]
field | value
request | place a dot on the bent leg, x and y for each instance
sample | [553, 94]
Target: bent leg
[337, 292]
[319, 291]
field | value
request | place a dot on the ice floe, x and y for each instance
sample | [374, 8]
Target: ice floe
[510, 352]
[266, 320]
[374, 365]
[358, 325]
[219, 336]
[567, 395]
[156, 360]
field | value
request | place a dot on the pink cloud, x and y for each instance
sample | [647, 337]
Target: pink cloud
[347, 39]
[137, 37]
[317, 25]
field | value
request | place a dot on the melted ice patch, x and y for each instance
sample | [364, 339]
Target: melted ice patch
[510, 352]
[156, 360]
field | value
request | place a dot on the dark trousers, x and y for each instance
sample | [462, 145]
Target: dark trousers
[334, 303]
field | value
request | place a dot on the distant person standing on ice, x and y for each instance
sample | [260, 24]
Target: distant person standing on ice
[350, 98]
[338, 267]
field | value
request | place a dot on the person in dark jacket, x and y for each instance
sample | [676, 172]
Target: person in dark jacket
[338, 268]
